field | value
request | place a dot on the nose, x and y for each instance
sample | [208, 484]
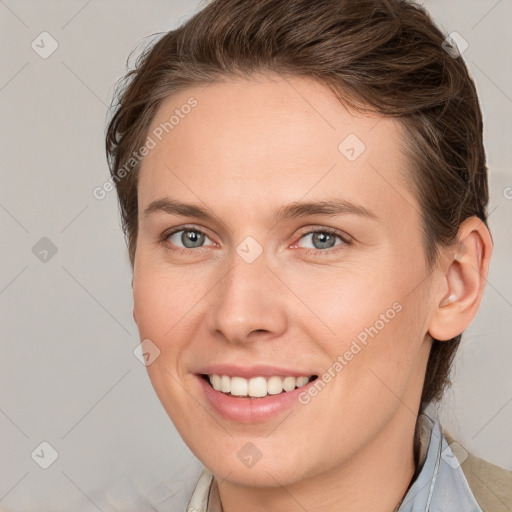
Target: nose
[248, 303]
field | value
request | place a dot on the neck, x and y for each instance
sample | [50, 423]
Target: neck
[376, 478]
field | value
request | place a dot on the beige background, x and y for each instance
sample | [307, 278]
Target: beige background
[68, 373]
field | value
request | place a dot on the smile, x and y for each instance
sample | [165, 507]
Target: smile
[256, 387]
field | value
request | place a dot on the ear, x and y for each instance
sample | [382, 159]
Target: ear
[463, 281]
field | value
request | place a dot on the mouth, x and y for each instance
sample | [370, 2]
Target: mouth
[256, 387]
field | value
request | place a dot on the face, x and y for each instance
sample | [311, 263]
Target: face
[279, 245]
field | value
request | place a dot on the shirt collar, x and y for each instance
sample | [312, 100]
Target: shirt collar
[439, 485]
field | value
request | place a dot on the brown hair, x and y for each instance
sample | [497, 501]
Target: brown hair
[383, 56]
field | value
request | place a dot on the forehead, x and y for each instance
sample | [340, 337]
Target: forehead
[272, 140]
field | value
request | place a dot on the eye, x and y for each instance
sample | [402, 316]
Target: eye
[322, 240]
[185, 238]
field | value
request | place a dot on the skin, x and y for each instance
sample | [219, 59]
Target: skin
[247, 149]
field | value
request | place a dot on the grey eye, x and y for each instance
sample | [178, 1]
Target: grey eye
[189, 238]
[322, 239]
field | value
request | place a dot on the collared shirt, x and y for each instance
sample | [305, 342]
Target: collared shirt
[440, 484]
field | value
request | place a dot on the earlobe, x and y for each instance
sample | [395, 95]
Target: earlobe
[463, 281]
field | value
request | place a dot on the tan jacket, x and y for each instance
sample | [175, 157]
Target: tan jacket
[491, 485]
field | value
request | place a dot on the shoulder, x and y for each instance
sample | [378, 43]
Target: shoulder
[490, 484]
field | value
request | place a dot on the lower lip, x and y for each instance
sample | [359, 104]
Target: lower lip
[250, 410]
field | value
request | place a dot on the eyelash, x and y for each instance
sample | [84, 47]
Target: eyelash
[308, 252]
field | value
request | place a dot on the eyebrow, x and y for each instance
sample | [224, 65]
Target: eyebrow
[330, 208]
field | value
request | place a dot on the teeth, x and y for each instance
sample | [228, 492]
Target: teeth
[257, 387]
[289, 383]
[225, 384]
[239, 386]
[215, 381]
[274, 385]
[301, 381]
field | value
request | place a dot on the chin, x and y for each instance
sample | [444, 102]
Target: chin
[260, 475]
[254, 463]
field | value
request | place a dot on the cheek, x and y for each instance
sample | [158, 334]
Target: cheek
[348, 304]
[162, 300]
[383, 358]
[163, 305]
[376, 324]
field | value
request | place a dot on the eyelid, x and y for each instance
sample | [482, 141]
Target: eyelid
[183, 227]
[325, 229]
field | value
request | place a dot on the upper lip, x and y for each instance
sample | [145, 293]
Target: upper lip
[248, 372]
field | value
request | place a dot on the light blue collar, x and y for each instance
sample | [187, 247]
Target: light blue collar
[441, 484]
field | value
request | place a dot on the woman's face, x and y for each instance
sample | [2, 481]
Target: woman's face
[248, 281]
